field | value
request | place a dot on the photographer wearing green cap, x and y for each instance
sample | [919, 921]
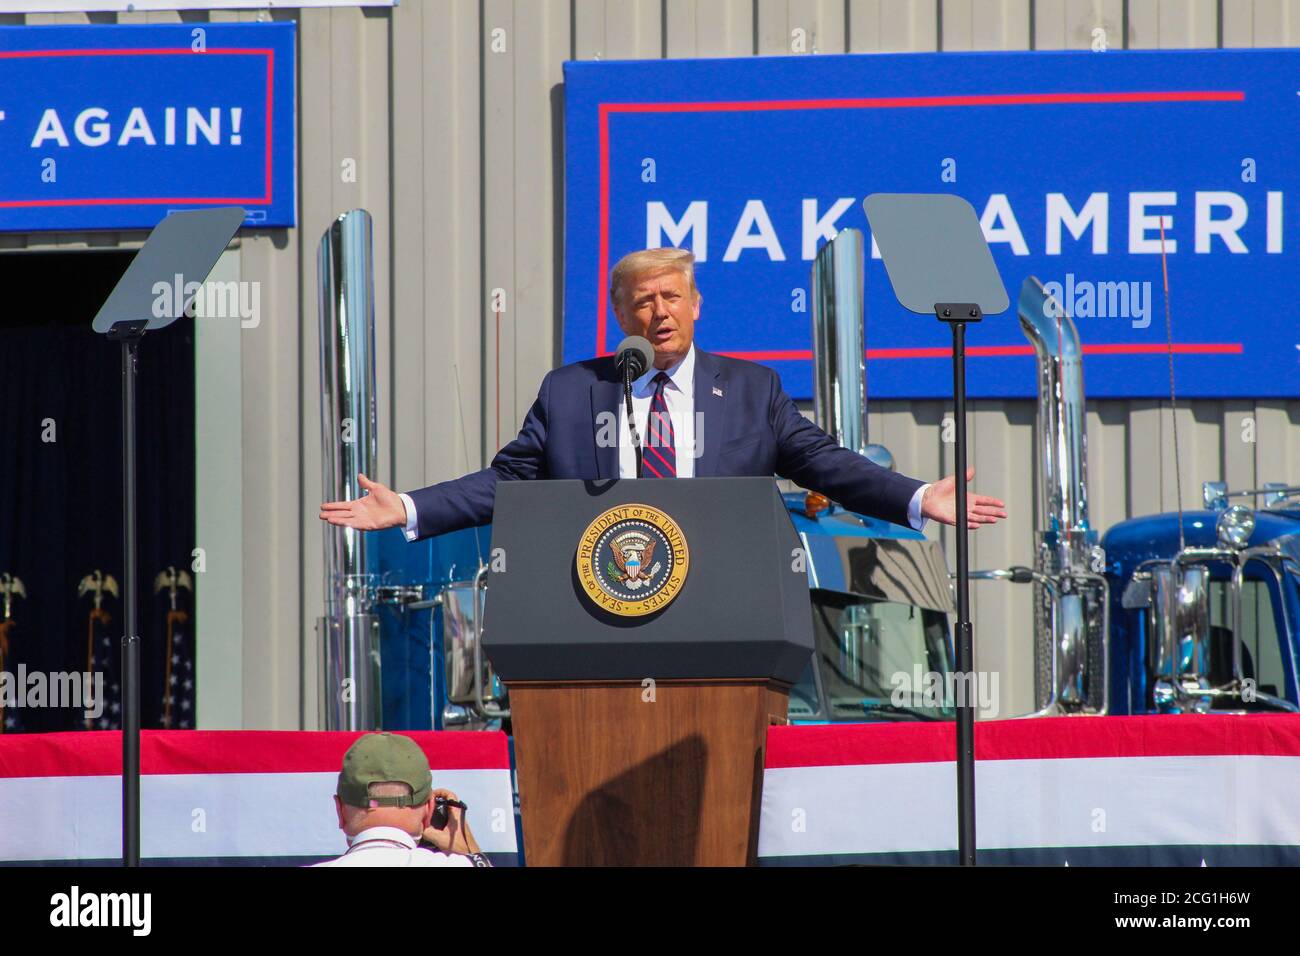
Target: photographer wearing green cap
[391, 813]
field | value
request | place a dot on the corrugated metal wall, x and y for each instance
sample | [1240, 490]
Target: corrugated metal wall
[458, 153]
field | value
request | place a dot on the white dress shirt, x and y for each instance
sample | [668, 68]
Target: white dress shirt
[679, 395]
[390, 846]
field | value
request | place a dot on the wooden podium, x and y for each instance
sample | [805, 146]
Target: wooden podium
[639, 737]
[609, 776]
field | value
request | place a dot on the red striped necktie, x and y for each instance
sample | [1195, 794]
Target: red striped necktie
[659, 459]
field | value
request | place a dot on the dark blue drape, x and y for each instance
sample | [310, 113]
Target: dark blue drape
[60, 499]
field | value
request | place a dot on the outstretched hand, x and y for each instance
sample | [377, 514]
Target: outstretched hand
[940, 503]
[379, 508]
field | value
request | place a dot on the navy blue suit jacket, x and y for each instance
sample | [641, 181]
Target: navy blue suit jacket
[750, 428]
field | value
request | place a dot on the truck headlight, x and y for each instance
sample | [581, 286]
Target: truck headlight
[1235, 526]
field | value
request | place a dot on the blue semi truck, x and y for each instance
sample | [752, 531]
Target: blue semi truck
[1210, 601]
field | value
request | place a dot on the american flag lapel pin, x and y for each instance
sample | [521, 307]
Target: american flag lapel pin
[717, 391]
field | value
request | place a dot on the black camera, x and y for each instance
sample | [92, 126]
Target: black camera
[440, 812]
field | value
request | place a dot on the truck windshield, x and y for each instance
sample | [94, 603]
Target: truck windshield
[875, 660]
[1262, 650]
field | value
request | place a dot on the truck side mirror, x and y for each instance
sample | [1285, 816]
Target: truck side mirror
[1179, 638]
[1137, 593]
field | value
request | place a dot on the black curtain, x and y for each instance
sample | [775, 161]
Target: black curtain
[61, 483]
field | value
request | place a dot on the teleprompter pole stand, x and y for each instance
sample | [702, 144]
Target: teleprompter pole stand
[939, 264]
[128, 334]
[181, 251]
[957, 315]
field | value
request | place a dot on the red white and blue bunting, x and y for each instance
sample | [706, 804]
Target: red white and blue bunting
[1169, 790]
[208, 797]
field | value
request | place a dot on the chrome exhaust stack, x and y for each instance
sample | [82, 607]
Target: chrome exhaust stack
[839, 372]
[349, 685]
[1071, 595]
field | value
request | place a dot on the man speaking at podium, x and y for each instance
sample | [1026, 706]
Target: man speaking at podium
[709, 416]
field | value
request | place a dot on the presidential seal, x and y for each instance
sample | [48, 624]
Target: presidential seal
[632, 560]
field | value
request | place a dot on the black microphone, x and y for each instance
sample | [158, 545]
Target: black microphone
[633, 357]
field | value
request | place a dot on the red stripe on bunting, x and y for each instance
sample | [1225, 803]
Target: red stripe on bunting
[99, 753]
[832, 745]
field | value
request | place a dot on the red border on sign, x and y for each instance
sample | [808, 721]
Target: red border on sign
[158, 200]
[1000, 351]
[899, 102]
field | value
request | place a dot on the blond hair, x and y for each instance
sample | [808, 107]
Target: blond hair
[645, 261]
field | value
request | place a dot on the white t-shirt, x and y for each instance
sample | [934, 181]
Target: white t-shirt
[389, 846]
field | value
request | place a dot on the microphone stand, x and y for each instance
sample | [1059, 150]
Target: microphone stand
[628, 377]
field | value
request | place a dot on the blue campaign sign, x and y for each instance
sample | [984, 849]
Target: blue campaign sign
[1095, 172]
[113, 127]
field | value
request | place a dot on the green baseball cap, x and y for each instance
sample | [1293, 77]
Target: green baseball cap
[384, 758]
